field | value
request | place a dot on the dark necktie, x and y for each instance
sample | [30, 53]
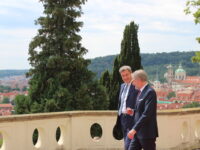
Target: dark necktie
[138, 95]
[123, 96]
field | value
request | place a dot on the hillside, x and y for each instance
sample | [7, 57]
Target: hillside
[152, 63]
[9, 73]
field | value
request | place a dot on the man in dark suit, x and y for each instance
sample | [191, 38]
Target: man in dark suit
[126, 104]
[145, 130]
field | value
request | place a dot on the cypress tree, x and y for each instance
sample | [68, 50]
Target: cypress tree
[105, 80]
[129, 55]
[130, 50]
[115, 85]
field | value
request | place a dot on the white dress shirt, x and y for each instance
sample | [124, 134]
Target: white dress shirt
[125, 98]
[143, 88]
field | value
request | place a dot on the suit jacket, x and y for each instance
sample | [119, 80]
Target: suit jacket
[130, 102]
[145, 116]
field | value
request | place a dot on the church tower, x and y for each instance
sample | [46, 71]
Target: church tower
[156, 83]
[170, 74]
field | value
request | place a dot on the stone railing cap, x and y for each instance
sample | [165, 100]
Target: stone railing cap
[69, 114]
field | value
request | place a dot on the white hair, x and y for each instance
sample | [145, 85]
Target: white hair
[140, 74]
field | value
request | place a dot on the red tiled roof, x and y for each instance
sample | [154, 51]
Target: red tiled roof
[170, 106]
[189, 80]
[6, 106]
[9, 94]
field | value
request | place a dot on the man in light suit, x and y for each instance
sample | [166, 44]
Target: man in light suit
[126, 104]
[145, 130]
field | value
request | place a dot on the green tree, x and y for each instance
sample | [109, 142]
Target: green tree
[196, 58]
[16, 88]
[115, 85]
[151, 63]
[105, 80]
[193, 7]
[6, 100]
[60, 79]
[24, 88]
[192, 105]
[99, 96]
[129, 55]
[5, 89]
[22, 104]
[130, 51]
[171, 94]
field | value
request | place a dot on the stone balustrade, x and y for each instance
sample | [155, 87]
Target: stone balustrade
[178, 130]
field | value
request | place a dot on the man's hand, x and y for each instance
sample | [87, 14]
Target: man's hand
[131, 134]
[129, 111]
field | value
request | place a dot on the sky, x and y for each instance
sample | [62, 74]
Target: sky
[163, 27]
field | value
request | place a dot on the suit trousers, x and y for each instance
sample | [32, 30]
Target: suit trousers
[145, 144]
[125, 131]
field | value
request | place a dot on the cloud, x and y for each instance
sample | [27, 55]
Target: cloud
[15, 13]
[151, 15]
[30, 5]
[101, 44]
[167, 9]
[157, 42]
[14, 47]
[163, 26]
[19, 33]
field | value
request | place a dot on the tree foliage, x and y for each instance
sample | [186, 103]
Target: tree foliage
[60, 79]
[171, 94]
[5, 89]
[105, 80]
[192, 105]
[129, 55]
[22, 104]
[152, 63]
[6, 100]
[193, 7]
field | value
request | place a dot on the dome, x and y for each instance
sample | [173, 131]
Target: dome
[180, 69]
